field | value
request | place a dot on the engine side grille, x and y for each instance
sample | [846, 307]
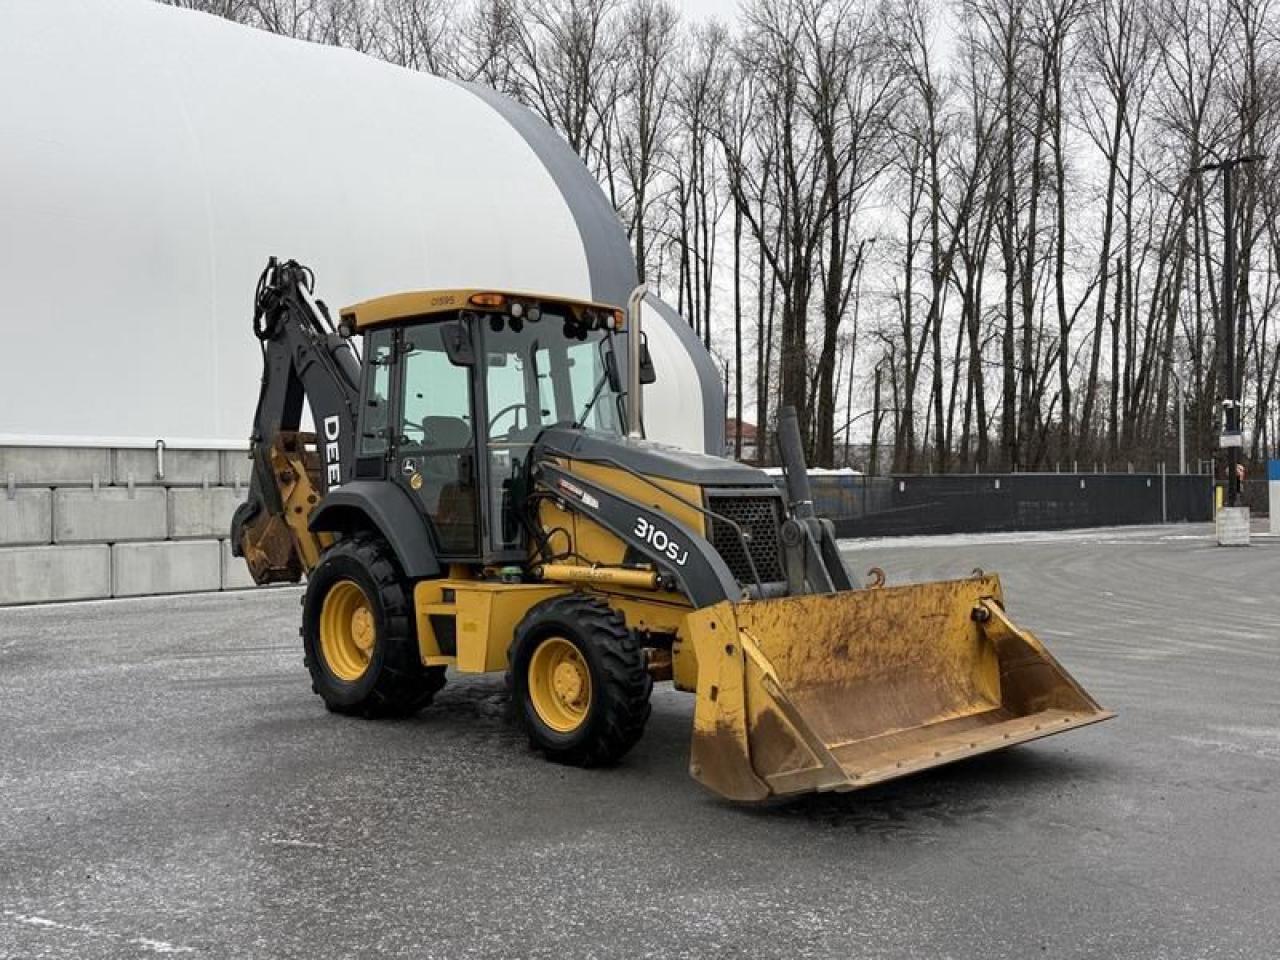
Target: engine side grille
[759, 517]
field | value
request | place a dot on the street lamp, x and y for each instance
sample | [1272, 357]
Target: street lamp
[1232, 439]
[1182, 422]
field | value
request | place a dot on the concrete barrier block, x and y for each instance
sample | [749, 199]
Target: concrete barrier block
[140, 569]
[202, 514]
[55, 466]
[235, 572]
[1233, 526]
[181, 467]
[109, 515]
[26, 518]
[235, 468]
[1273, 494]
[45, 574]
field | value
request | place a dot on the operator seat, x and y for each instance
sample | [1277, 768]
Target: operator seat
[454, 509]
[445, 434]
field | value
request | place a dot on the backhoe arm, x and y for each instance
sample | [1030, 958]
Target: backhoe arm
[304, 358]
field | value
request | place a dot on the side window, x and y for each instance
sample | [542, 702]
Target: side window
[586, 368]
[505, 387]
[375, 430]
[437, 395]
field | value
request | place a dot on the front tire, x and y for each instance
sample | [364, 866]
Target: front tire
[579, 681]
[358, 634]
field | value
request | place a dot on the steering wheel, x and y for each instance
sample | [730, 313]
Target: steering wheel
[517, 406]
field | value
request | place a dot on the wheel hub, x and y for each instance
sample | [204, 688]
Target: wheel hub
[568, 683]
[560, 685]
[362, 629]
[348, 631]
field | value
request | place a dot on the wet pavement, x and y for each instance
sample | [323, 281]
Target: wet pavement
[169, 784]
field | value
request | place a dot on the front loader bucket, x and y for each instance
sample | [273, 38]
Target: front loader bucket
[840, 691]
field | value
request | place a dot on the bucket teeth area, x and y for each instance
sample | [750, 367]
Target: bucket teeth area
[897, 755]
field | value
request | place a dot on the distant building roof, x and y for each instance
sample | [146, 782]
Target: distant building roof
[730, 430]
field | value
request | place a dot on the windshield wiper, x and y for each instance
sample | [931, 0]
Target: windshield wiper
[595, 395]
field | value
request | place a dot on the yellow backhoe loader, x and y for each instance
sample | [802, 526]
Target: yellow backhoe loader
[477, 495]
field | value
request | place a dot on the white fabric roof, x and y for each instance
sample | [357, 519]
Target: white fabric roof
[153, 158]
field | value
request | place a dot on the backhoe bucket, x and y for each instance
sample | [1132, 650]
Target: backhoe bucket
[844, 690]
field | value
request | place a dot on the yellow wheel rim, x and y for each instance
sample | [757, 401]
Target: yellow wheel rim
[560, 685]
[347, 631]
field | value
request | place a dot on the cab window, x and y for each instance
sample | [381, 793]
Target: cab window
[375, 431]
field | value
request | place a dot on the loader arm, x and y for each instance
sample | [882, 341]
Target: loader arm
[303, 359]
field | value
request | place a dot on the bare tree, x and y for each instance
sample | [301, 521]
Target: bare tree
[237, 10]
[1047, 267]
[489, 35]
[565, 51]
[418, 34]
[648, 45]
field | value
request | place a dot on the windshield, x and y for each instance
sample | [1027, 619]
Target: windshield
[538, 373]
[546, 371]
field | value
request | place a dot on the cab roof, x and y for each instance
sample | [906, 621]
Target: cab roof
[396, 307]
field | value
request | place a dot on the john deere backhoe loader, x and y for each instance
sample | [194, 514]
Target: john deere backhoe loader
[477, 495]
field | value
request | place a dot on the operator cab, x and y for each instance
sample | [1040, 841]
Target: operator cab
[445, 369]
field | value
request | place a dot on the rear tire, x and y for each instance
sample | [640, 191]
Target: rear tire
[359, 635]
[579, 682]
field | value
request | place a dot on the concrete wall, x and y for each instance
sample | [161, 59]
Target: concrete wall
[82, 523]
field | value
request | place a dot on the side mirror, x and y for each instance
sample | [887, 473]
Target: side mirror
[457, 344]
[647, 372]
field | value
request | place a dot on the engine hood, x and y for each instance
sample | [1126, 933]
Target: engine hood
[652, 459]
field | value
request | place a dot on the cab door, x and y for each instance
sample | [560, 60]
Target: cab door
[436, 451]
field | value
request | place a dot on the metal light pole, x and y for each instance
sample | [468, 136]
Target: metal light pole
[1231, 436]
[853, 340]
[1182, 431]
[1182, 422]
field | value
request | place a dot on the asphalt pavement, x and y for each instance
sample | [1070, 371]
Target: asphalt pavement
[170, 785]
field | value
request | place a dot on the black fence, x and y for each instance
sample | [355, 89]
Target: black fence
[864, 506]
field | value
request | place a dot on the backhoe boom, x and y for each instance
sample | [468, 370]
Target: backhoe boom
[304, 358]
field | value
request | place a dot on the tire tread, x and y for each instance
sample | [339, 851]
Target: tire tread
[626, 681]
[403, 686]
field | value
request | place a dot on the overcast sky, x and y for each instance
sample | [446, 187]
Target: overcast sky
[726, 10]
